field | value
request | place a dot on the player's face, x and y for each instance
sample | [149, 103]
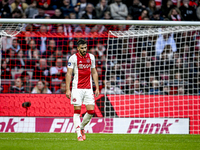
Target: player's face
[82, 49]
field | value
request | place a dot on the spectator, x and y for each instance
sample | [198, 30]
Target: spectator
[17, 13]
[41, 14]
[167, 53]
[83, 29]
[58, 54]
[68, 30]
[58, 72]
[178, 79]
[62, 89]
[188, 12]
[151, 8]
[73, 51]
[59, 40]
[36, 56]
[26, 81]
[179, 66]
[137, 89]
[50, 50]
[129, 85]
[20, 58]
[162, 41]
[44, 4]
[136, 9]
[166, 7]
[144, 14]
[165, 91]
[15, 45]
[101, 8]
[107, 15]
[145, 70]
[74, 2]
[67, 8]
[5, 70]
[99, 29]
[6, 43]
[25, 63]
[18, 87]
[118, 10]
[80, 8]
[100, 48]
[164, 64]
[20, 5]
[58, 14]
[155, 89]
[5, 9]
[41, 88]
[32, 48]
[156, 16]
[41, 72]
[198, 12]
[174, 14]
[111, 89]
[89, 12]
[11, 59]
[181, 90]
[41, 42]
[32, 9]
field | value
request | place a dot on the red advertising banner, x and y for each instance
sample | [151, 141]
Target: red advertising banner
[134, 106]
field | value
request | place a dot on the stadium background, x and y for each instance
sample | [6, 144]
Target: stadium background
[52, 42]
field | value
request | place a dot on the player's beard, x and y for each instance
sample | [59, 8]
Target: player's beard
[83, 53]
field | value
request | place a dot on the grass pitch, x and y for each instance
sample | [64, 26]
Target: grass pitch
[68, 141]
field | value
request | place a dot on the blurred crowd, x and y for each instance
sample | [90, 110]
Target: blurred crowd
[175, 10]
[165, 64]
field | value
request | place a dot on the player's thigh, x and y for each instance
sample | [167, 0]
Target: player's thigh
[89, 97]
[77, 97]
[89, 107]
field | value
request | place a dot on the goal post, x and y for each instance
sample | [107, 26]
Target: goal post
[152, 76]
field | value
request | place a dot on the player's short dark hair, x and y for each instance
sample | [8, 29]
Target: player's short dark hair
[81, 42]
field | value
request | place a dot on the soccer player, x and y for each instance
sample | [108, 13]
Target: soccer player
[82, 64]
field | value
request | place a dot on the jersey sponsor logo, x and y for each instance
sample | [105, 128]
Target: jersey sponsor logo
[69, 63]
[80, 61]
[84, 66]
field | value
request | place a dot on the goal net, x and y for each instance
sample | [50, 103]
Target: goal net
[152, 72]
[149, 75]
[8, 30]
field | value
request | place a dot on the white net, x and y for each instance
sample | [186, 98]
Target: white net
[8, 30]
[11, 30]
[153, 72]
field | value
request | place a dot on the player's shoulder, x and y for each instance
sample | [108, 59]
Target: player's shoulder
[91, 56]
[72, 57]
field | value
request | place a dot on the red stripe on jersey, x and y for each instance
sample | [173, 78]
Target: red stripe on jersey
[84, 71]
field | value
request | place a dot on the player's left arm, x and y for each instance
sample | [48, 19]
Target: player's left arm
[96, 80]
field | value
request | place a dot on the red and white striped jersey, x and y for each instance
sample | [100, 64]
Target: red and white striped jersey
[82, 70]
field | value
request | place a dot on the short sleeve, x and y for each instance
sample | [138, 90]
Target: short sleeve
[93, 61]
[71, 62]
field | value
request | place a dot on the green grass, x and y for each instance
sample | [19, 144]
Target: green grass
[68, 141]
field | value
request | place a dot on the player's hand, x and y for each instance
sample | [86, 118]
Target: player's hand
[68, 94]
[96, 93]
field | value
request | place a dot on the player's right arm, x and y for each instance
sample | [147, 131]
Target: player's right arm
[68, 80]
[70, 67]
